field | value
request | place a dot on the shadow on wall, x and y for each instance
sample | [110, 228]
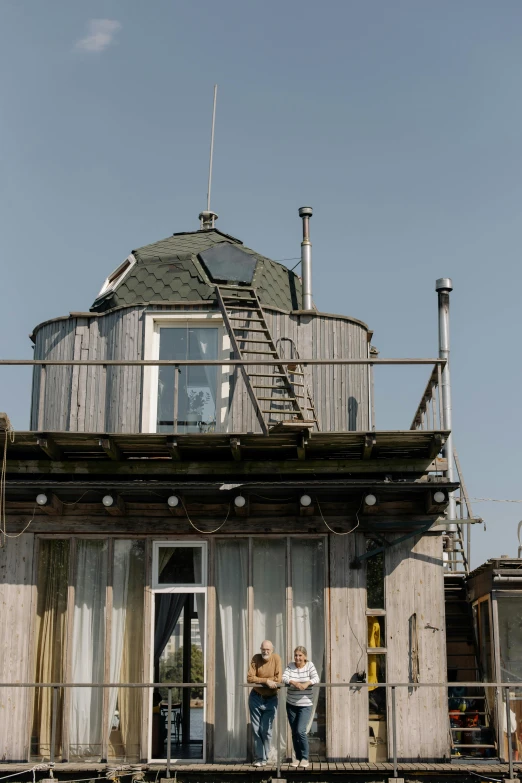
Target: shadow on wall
[353, 407]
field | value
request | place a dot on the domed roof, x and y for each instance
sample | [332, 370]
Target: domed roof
[186, 267]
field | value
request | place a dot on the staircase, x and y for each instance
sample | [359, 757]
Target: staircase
[279, 394]
[469, 718]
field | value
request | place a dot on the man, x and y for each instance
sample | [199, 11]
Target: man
[265, 672]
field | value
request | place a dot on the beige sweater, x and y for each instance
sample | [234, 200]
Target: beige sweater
[260, 671]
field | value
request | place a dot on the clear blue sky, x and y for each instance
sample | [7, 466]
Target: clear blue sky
[399, 121]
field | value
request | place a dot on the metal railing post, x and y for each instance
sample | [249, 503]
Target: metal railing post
[169, 729]
[279, 733]
[53, 725]
[508, 733]
[176, 397]
[394, 731]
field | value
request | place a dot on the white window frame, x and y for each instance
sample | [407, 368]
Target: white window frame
[153, 323]
[193, 587]
[116, 277]
[187, 588]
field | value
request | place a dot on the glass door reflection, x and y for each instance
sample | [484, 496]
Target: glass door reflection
[178, 657]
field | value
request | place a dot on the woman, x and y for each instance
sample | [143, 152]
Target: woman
[300, 676]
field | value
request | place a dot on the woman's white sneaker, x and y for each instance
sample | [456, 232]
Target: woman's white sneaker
[295, 763]
[304, 763]
[259, 764]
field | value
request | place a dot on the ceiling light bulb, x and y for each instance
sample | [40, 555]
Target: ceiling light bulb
[41, 499]
[173, 501]
[439, 497]
[107, 500]
[305, 500]
[239, 501]
[370, 500]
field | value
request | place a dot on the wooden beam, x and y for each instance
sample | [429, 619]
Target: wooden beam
[117, 509]
[54, 505]
[111, 449]
[437, 442]
[175, 453]
[369, 443]
[137, 468]
[49, 447]
[235, 448]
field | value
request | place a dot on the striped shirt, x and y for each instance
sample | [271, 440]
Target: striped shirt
[307, 673]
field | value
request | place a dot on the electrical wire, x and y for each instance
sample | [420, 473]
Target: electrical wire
[494, 500]
[206, 532]
[335, 531]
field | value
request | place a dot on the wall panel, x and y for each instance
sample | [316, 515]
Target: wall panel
[415, 591]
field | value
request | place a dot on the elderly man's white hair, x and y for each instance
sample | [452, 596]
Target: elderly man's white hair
[267, 643]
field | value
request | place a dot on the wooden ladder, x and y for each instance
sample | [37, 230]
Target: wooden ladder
[280, 398]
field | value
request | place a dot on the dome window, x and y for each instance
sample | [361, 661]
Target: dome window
[117, 276]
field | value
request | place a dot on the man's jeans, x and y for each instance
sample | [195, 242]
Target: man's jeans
[298, 718]
[262, 715]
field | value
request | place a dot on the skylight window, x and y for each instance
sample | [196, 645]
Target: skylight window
[117, 276]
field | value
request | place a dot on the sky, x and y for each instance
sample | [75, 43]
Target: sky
[398, 121]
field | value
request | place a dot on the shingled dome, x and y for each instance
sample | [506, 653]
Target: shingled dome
[185, 268]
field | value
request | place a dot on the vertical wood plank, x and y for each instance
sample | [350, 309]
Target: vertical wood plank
[210, 651]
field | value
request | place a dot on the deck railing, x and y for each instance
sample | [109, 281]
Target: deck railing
[502, 695]
[429, 414]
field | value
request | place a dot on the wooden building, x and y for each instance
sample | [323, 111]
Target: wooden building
[163, 519]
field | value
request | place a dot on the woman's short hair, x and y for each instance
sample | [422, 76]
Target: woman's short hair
[303, 650]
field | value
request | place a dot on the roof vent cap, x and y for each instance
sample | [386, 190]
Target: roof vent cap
[207, 220]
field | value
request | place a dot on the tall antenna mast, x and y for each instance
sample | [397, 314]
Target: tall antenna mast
[208, 218]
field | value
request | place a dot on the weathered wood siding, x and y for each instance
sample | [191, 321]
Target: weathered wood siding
[16, 592]
[95, 399]
[414, 584]
[347, 723]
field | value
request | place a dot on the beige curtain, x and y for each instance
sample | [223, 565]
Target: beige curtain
[127, 745]
[53, 569]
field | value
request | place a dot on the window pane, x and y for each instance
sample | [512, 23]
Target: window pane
[510, 632]
[51, 620]
[179, 657]
[88, 649]
[126, 665]
[196, 386]
[308, 626]
[231, 649]
[179, 565]
[375, 577]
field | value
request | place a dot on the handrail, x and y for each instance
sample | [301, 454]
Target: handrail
[506, 686]
[206, 362]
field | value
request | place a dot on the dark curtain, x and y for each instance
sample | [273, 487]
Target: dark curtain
[168, 610]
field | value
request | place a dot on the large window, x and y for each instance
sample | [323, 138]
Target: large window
[185, 399]
[266, 589]
[90, 592]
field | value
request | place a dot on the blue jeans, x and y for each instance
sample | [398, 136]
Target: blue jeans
[262, 715]
[298, 718]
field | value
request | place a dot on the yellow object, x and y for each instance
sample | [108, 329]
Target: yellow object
[374, 640]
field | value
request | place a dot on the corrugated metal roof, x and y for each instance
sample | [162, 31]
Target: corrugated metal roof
[170, 271]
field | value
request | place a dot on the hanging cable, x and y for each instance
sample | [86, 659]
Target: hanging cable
[206, 532]
[335, 531]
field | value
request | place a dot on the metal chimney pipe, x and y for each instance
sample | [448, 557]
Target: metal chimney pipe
[306, 258]
[444, 286]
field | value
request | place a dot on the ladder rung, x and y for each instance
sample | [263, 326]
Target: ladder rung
[244, 340]
[266, 374]
[248, 329]
[235, 287]
[246, 307]
[280, 413]
[277, 401]
[263, 353]
[244, 318]
[230, 299]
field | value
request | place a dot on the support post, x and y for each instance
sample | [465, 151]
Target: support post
[169, 729]
[52, 752]
[508, 732]
[394, 731]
